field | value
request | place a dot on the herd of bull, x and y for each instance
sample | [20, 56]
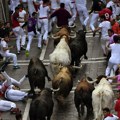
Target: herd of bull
[65, 55]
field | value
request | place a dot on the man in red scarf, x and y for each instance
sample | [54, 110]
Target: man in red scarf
[108, 115]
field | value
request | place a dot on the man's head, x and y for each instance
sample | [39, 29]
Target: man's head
[62, 5]
[102, 18]
[106, 111]
[118, 94]
[116, 39]
[110, 32]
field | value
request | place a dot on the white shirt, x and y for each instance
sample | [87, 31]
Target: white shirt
[3, 45]
[105, 25]
[111, 118]
[22, 16]
[54, 4]
[115, 53]
[43, 11]
[83, 2]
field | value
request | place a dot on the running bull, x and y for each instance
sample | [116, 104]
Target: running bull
[42, 106]
[36, 74]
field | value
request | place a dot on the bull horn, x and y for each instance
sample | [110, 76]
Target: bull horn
[91, 82]
[78, 81]
[55, 90]
[55, 37]
[77, 67]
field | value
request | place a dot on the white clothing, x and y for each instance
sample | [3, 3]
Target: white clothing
[22, 17]
[111, 118]
[83, 12]
[93, 20]
[9, 92]
[31, 7]
[114, 59]
[54, 4]
[43, 20]
[7, 53]
[105, 25]
[82, 2]
[112, 4]
[14, 4]
[30, 38]
[6, 105]
[115, 53]
[19, 33]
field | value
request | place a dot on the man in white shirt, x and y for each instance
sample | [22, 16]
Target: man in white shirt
[108, 115]
[104, 26]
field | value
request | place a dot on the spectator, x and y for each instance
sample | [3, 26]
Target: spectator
[108, 115]
[5, 52]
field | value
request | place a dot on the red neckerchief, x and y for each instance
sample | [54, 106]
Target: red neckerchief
[108, 115]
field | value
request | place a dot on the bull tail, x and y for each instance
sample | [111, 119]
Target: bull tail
[100, 107]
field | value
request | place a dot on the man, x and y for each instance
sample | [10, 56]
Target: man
[5, 52]
[43, 14]
[82, 12]
[104, 26]
[62, 16]
[17, 29]
[96, 7]
[108, 115]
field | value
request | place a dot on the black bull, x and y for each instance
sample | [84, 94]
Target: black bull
[36, 74]
[78, 48]
[42, 106]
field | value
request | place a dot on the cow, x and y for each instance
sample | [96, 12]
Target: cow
[78, 48]
[42, 106]
[36, 74]
[83, 96]
[64, 82]
[102, 96]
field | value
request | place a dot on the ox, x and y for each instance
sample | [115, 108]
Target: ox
[78, 48]
[42, 106]
[102, 97]
[83, 96]
[63, 81]
[36, 74]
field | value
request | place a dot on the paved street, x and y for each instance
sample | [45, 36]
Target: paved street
[94, 66]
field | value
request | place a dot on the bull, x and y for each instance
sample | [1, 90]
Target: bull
[64, 82]
[102, 96]
[36, 74]
[78, 48]
[83, 96]
[42, 106]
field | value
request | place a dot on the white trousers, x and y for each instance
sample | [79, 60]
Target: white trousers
[20, 34]
[43, 24]
[104, 42]
[83, 14]
[13, 56]
[9, 80]
[30, 38]
[94, 19]
[6, 105]
[15, 95]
